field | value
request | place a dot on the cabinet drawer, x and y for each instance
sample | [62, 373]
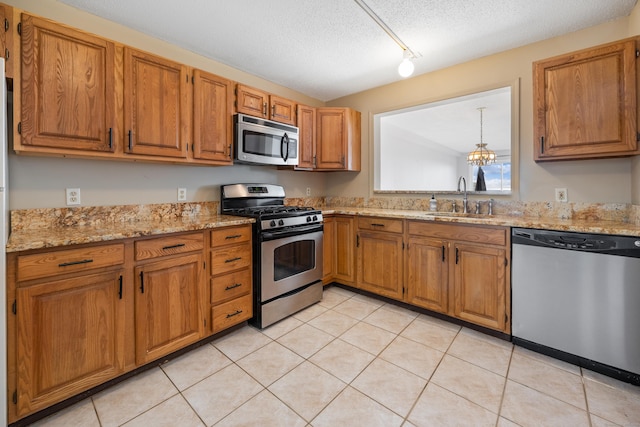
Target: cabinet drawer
[170, 245]
[231, 313]
[380, 224]
[230, 258]
[68, 261]
[230, 286]
[465, 233]
[229, 235]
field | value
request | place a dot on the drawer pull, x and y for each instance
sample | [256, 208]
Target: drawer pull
[84, 261]
[234, 314]
[235, 236]
[235, 285]
[232, 259]
[179, 245]
[375, 224]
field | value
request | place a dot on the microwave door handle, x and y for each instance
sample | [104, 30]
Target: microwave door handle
[285, 141]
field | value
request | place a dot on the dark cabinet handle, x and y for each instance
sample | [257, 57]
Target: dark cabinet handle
[234, 314]
[142, 282]
[120, 290]
[234, 236]
[542, 145]
[457, 255]
[235, 285]
[110, 138]
[233, 259]
[264, 109]
[130, 140]
[443, 253]
[377, 225]
[179, 245]
[66, 264]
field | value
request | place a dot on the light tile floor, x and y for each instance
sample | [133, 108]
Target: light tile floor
[352, 360]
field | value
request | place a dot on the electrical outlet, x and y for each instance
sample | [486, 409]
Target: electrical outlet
[182, 194]
[73, 196]
[308, 191]
[562, 195]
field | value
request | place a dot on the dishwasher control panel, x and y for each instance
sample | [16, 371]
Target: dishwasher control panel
[600, 243]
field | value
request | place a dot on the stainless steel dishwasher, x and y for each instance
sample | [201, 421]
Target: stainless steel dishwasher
[576, 297]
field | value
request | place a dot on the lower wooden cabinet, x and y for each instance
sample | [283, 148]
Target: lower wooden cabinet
[344, 254]
[70, 337]
[427, 273]
[82, 315]
[231, 276]
[380, 256]
[461, 270]
[328, 248]
[479, 285]
[167, 306]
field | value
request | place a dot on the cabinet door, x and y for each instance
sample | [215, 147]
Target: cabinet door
[252, 101]
[282, 110]
[380, 257]
[212, 117]
[63, 351]
[156, 100]
[585, 103]
[307, 137]
[480, 285]
[331, 138]
[168, 310]
[427, 273]
[68, 93]
[344, 267]
[329, 250]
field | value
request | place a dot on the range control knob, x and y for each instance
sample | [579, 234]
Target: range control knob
[281, 222]
[272, 223]
[308, 219]
[315, 217]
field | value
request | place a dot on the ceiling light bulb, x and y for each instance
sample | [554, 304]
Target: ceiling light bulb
[406, 67]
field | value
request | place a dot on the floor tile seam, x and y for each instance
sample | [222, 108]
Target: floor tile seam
[504, 388]
[393, 332]
[263, 390]
[549, 396]
[476, 365]
[586, 398]
[231, 362]
[312, 354]
[274, 381]
[484, 341]
[323, 408]
[582, 383]
[496, 413]
[548, 363]
[155, 406]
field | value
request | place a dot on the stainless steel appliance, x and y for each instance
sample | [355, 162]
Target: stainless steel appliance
[287, 250]
[264, 142]
[576, 297]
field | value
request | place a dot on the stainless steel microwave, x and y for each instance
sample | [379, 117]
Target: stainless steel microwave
[265, 142]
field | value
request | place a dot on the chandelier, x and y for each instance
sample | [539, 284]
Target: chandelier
[481, 155]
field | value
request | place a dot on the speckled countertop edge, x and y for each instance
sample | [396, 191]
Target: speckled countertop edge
[39, 238]
[583, 226]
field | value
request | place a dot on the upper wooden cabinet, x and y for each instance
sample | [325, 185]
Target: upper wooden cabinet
[156, 105]
[329, 139]
[212, 112]
[262, 104]
[585, 103]
[306, 137]
[337, 139]
[7, 48]
[68, 93]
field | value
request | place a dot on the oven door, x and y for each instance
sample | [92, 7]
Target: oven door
[290, 260]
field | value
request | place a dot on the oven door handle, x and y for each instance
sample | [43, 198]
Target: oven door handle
[284, 141]
[297, 231]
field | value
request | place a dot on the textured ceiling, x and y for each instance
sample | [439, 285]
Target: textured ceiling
[331, 48]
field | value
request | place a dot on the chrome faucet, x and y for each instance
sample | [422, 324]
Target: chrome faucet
[464, 200]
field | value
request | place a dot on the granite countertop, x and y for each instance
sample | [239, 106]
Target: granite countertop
[581, 225]
[38, 238]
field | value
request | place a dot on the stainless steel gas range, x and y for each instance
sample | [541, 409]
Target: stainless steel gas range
[287, 250]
